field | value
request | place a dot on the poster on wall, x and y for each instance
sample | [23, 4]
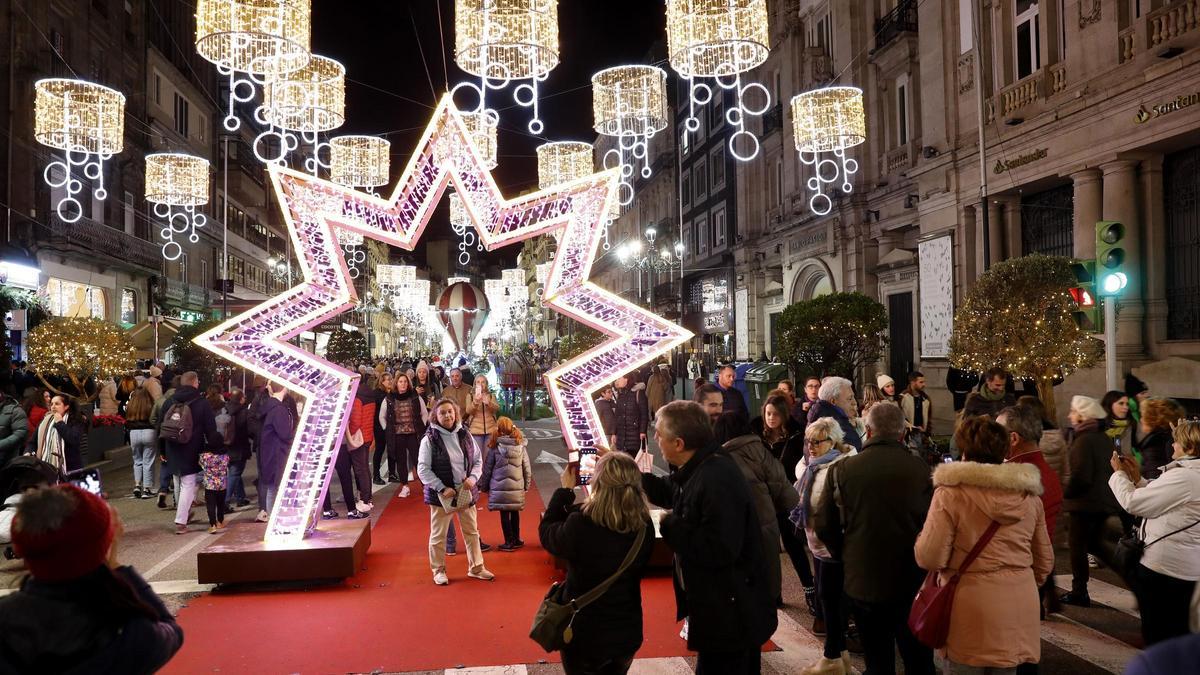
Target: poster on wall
[937, 296]
[741, 311]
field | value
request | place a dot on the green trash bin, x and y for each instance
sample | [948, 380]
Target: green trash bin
[761, 379]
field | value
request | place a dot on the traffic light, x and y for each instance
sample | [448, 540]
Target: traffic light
[1110, 258]
[1087, 311]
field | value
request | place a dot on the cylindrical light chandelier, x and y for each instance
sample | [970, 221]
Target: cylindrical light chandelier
[87, 122]
[176, 184]
[307, 101]
[562, 162]
[720, 40]
[481, 128]
[828, 120]
[629, 103]
[359, 161]
[253, 40]
[501, 41]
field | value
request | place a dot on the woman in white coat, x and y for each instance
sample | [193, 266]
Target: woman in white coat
[1166, 578]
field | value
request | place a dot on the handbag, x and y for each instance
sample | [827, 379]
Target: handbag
[355, 440]
[1130, 549]
[929, 618]
[644, 460]
[552, 623]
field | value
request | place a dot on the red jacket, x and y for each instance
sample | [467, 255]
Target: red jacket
[362, 415]
[1052, 492]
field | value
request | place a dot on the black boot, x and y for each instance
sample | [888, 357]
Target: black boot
[375, 462]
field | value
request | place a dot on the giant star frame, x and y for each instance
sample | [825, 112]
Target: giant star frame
[314, 210]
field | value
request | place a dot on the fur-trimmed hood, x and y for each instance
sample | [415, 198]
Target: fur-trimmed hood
[997, 489]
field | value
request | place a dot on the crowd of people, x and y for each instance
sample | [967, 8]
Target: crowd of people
[843, 484]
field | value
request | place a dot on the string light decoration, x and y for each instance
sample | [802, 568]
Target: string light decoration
[176, 184]
[307, 102]
[629, 103]
[258, 338]
[1019, 316]
[504, 41]
[828, 121]
[562, 162]
[358, 161]
[719, 40]
[79, 350]
[87, 122]
[460, 222]
[252, 41]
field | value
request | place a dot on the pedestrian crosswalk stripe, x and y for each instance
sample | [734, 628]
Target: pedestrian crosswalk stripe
[1091, 645]
[1120, 599]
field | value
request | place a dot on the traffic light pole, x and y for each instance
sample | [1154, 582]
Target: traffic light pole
[1110, 343]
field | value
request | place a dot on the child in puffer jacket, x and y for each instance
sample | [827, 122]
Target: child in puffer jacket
[506, 478]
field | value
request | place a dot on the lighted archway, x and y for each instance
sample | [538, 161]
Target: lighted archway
[814, 280]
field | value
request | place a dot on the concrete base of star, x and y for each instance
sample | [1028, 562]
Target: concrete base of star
[335, 550]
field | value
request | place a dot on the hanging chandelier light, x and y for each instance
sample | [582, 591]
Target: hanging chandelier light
[502, 41]
[460, 222]
[481, 127]
[251, 41]
[87, 122]
[176, 184]
[826, 122]
[562, 162]
[720, 40]
[359, 161]
[307, 102]
[629, 103]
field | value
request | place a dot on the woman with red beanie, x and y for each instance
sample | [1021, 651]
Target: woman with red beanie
[79, 611]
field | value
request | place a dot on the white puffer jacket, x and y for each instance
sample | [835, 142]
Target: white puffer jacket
[1168, 503]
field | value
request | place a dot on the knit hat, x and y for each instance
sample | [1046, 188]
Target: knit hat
[1134, 386]
[155, 371]
[77, 547]
[883, 381]
[1088, 407]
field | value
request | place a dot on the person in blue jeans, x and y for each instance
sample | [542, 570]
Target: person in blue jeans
[143, 441]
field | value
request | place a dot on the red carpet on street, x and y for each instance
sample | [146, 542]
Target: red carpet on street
[391, 617]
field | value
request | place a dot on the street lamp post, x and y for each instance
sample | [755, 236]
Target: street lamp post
[651, 259]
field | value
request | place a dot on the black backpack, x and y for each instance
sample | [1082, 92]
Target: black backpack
[177, 423]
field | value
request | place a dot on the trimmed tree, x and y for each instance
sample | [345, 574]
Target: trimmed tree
[1018, 316]
[186, 355]
[76, 351]
[581, 339]
[835, 334]
[347, 348]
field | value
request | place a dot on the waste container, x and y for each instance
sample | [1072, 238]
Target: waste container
[739, 381]
[761, 379]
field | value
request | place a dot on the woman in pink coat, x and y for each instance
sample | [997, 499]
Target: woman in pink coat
[996, 617]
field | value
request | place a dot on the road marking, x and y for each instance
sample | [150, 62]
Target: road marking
[174, 587]
[518, 669]
[1107, 594]
[672, 665]
[799, 647]
[542, 434]
[548, 457]
[195, 544]
[1091, 645]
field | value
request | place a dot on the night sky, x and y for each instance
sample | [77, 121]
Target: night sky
[388, 89]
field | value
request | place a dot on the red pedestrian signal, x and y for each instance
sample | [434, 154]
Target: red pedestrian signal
[1083, 297]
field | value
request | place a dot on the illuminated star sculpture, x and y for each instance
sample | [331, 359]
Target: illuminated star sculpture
[315, 210]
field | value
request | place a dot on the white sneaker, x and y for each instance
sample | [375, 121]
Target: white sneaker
[262, 517]
[404, 492]
[683, 633]
[483, 574]
[440, 579]
[410, 475]
[363, 507]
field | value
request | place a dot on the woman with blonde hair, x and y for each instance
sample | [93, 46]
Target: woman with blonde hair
[1165, 578]
[594, 539]
[871, 396]
[480, 411]
[506, 478]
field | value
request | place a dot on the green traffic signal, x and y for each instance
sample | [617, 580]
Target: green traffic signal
[1110, 257]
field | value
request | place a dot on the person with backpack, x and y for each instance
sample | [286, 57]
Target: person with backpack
[278, 430]
[236, 434]
[188, 427]
[165, 473]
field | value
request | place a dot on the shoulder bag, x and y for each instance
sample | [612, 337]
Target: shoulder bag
[929, 618]
[552, 623]
[1130, 549]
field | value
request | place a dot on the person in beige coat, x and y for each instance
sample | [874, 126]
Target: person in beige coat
[108, 398]
[995, 620]
[658, 388]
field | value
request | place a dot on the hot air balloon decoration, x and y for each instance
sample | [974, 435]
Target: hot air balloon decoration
[462, 309]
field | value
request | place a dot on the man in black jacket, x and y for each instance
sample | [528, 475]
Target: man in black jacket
[732, 399]
[184, 458]
[872, 510]
[720, 575]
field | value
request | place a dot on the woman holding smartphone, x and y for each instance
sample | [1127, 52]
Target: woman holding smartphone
[482, 414]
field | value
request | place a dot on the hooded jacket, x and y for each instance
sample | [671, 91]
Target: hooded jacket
[506, 475]
[362, 414]
[633, 417]
[276, 440]
[771, 492]
[995, 618]
[239, 450]
[184, 458]
[658, 389]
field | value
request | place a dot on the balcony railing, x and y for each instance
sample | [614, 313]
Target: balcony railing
[902, 19]
[898, 159]
[173, 291]
[1125, 44]
[92, 237]
[1167, 23]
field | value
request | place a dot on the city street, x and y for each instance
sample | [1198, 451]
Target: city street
[1100, 639]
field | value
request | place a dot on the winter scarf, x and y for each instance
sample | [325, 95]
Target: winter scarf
[799, 515]
[989, 396]
[1086, 426]
[1116, 427]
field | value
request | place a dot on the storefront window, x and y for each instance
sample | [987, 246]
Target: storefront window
[128, 307]
[67, 298]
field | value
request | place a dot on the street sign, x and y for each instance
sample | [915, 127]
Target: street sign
[14, 319]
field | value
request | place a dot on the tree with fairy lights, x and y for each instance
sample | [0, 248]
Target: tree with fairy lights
[1018, 316]
[186, 355]
[834, 334]
[70, 354]
[347, 348]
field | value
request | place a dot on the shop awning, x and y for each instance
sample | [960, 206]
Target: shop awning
[142, 335]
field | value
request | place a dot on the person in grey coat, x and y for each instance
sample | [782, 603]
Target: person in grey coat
[506, 478]
[14, 428]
